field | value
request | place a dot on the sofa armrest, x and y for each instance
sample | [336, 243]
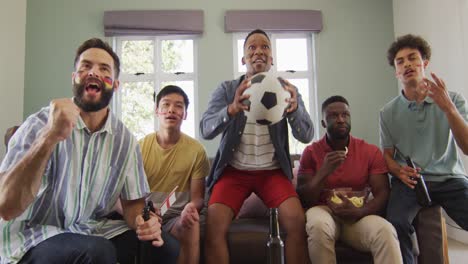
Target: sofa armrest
[429, 225]
[8, 134]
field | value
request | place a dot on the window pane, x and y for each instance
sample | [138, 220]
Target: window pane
[303, 87]
[177, 55]
[296, 147]
[138, 107]
[291, 54]
[188, 125]
[137, 56]
[240, 54]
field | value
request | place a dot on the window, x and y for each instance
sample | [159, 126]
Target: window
[294, 60]
[147, 65]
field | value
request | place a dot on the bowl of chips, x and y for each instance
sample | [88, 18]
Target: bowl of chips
[357, 198]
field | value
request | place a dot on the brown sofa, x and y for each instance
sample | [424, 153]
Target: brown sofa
[248, 234]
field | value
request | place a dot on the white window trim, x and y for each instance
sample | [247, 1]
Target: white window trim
[158, 76]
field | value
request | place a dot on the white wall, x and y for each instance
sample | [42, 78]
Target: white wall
[444, 24]
[12, 52]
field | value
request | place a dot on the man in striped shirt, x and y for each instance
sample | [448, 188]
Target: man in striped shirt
[66, 167]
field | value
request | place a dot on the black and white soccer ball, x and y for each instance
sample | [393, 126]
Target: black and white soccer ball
[267, 102]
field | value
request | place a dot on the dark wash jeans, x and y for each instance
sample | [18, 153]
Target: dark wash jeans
[402, 208]
[71, 248]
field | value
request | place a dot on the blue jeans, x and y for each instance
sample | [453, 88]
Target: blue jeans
[402, 208]
[71, 248]
[128, 247]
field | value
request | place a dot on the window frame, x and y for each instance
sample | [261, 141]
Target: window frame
[158, 76]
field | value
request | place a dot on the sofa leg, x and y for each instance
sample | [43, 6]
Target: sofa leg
[445, 241]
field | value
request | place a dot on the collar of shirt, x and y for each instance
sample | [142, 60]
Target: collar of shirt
[412, 105]
[108, 126]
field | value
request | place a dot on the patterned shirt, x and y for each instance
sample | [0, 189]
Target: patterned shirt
[83, 179]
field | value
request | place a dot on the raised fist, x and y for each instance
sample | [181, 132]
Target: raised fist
[63, 115]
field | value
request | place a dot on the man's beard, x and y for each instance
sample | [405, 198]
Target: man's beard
[78, 92]
[334, 134]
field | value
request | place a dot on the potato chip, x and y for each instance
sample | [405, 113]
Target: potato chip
[357, 201]
[335, 199]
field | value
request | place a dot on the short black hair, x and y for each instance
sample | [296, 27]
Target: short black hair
[256, 31]
[408, 41]
[333, 99]
[170, 89]
[99, 44]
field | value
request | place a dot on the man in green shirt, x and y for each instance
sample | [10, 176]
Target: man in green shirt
[427, 123]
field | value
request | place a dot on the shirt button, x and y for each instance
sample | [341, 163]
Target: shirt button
[240, 132]
[298, 129]
[233, 150]
[292, 118]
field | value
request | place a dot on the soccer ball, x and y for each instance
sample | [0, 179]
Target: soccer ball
[267, 102]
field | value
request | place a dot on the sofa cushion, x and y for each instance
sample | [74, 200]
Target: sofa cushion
[253, 207]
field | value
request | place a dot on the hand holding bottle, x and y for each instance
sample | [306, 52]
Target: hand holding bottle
[422, 194]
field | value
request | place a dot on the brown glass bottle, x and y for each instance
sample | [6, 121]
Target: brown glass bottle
[275, 246]
[422, 194]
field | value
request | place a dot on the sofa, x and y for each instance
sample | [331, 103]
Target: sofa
[248, 235]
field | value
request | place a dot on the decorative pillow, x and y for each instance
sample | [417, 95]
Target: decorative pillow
[8, 134]
[253, 207]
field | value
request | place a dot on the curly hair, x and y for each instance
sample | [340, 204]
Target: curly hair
[409, 41]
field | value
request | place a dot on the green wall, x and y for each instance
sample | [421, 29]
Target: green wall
[350, 50]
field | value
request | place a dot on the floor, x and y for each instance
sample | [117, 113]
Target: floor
[458, 252]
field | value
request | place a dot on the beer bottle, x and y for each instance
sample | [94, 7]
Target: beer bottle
[275, 245]
[422, 195]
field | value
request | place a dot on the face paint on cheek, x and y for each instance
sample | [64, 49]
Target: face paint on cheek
[418, 65]
[77, 79]
[164, 111]
[108, 82]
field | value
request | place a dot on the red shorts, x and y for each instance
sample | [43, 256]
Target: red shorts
[234, 186]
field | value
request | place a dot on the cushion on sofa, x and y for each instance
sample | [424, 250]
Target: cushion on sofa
[253, 207]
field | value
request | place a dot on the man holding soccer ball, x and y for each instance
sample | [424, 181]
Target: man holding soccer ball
[253, 157]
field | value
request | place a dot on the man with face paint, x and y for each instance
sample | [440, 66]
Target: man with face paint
[172, 160]
[340, 160]
[427, 123]
[253, 158]
[65, 169]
